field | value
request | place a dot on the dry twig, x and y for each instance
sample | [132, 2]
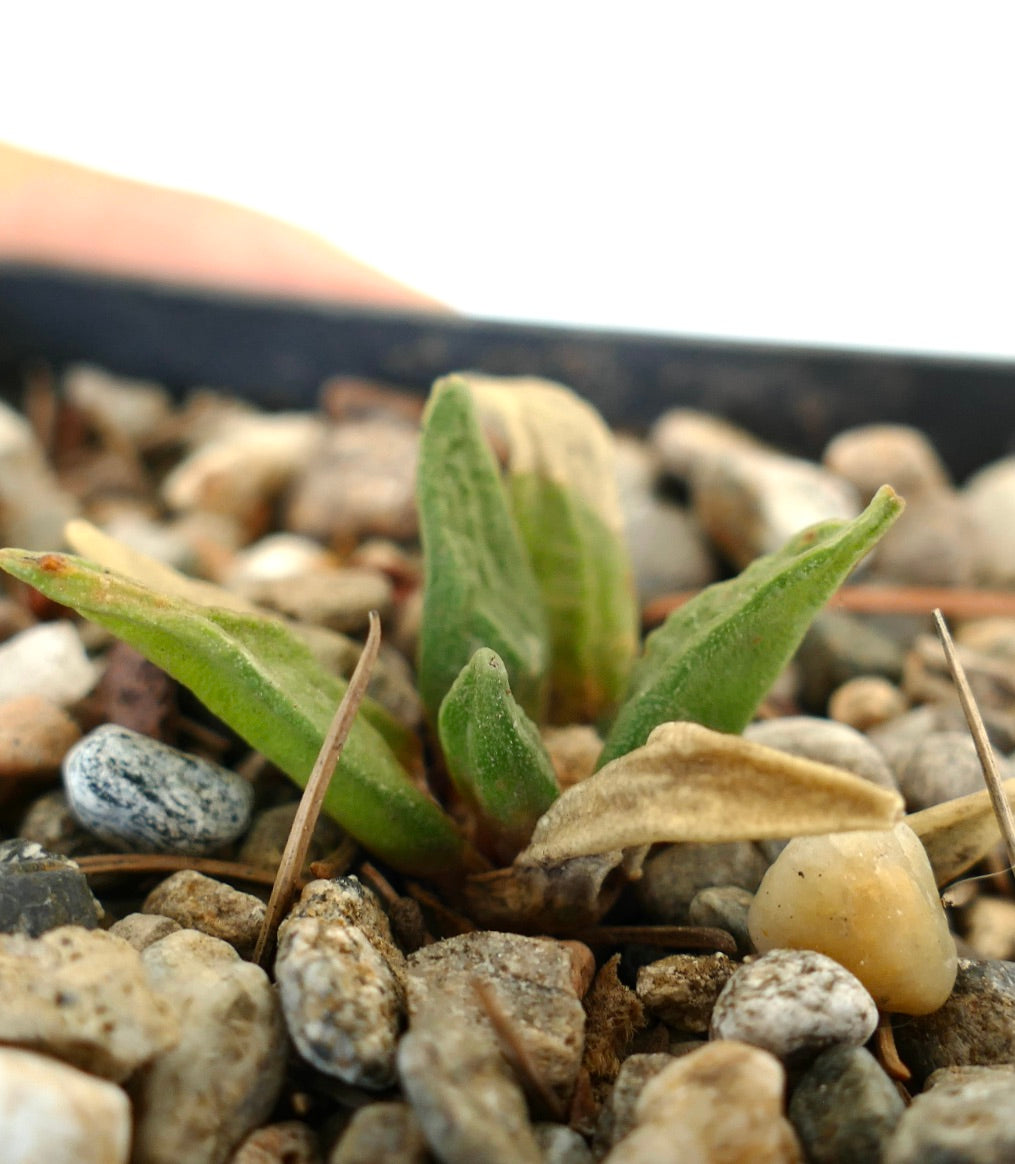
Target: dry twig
[304, 822]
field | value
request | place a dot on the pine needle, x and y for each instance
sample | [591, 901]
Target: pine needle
[305, 820]
[984, 750]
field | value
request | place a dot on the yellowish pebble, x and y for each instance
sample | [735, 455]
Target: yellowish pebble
[868, 900]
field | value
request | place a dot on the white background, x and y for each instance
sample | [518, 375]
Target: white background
[839, 173]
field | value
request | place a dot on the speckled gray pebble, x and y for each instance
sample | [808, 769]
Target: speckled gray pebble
[140, 795]
[676, 873]
[827, 742]
[962, 1122]
[976, 1026]
[794, 1003]
[40, 891]
[845, 1107]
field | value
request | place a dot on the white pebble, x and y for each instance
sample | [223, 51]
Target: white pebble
[56, 1114]
[794, 1003]
[49, 660]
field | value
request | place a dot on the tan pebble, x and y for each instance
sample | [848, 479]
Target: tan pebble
[869, 901]
[34, 736]
[340, 599]
[899, 455]
[381, 1133]
[721, 1103]
[866, 702]
[196, 1102]
[990, 928]
[682, 989]
[468, 1102]
[532, 981]
[201, 903]
[573, 751]
[142, 929]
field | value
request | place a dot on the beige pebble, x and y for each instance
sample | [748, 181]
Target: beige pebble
[866, 702]
[899, 455]
[34, 736]
[340, 599]
[989, 927]
[753, 502]
[340, 979]
[573, 751]
[240, 472]
[869, 901]
[84, 997]
[381, 1133]
[54, 1114]
[684, 439]
[201, 903]
[720, 1104]
[142, 929]
[467, 1100]
[196, 1102]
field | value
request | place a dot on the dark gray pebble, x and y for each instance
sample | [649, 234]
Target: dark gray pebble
[139, 795]
[40, 891]
[677, 873]
[724, 907]
[975, 1027]
[845, 1108]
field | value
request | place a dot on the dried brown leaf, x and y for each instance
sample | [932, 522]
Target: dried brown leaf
[688, 783]
[958, 833]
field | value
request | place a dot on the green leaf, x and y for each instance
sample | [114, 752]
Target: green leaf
[494, 754]
[563, 492]
[714, 659]
[479, 588]
[257, 676]
[97, 546]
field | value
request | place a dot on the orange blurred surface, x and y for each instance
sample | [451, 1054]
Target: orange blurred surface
[59, 213]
